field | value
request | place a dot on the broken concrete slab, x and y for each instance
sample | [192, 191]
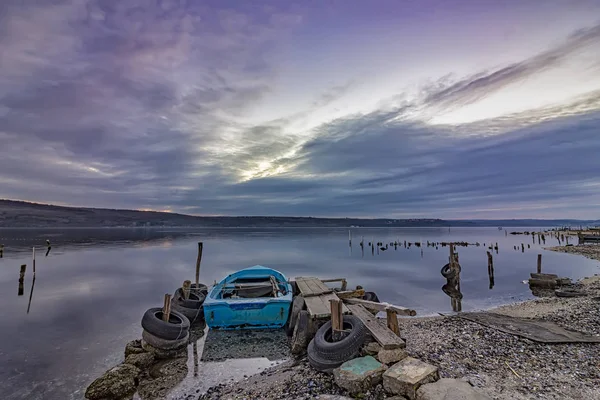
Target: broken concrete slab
[359, 375]
[406, 376]
[389, 357]
[449, 389]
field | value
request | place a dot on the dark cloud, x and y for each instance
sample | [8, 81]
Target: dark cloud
[139, 104]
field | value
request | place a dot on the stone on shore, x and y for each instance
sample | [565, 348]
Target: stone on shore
[371, 349]
[449, 389]
[134, 347]
[389, 357]
[117, 383]
[406, 376]
[142, 360]
[359, 375]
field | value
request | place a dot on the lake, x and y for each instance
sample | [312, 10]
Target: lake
[92, 289]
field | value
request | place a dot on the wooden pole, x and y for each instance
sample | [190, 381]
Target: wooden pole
[185, 288]
[539, 264]
[34, 261]
[349, 238]
[22, 278]
[166, 313]
[198, 260]
[1, 250]
[522, 248]
[392, 321]
[336, 319]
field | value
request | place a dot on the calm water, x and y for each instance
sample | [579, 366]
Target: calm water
[92, 289]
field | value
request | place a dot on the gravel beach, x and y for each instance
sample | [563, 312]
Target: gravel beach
[501, 365]
[588, 250]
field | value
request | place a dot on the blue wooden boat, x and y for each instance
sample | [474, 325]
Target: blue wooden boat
[253, 298]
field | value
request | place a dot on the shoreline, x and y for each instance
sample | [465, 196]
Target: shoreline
[499, 365]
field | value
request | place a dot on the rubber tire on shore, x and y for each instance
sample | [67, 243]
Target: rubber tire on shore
[177, 327]
[371, 296]
[193, 315]
[297, 306]
[322, 362]
[195, 300]
[164, 344]
[301, 332]
[448, 273]
[343, 348]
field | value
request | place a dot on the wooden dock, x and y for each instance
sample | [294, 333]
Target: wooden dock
[317, 297]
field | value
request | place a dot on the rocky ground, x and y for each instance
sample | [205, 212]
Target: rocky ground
[588, 250]
[501, 365]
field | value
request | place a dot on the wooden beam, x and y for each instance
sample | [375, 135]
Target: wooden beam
[372, 305]
[351, 294]
[392, 321]
[166, 312]
[385, 337]
[336, 319]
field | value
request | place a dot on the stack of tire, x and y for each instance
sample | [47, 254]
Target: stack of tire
[325, 355]
[192, 307]
[166, 336]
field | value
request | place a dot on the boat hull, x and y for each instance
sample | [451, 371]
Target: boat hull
[248, 313]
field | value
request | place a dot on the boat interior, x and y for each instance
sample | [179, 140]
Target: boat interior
[252, 288]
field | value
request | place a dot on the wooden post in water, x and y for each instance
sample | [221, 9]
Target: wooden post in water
[198, 260]
[392, 321]
[166, 311]
[490, 269]
[349, 238]
[22, 278]
[522, 248]
[185, 289]
[1, 250]
[336, 319]
[34, 261]
[539, 264]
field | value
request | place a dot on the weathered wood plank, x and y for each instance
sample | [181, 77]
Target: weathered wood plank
[319, 306]
[351, 294]
[372, 305]
[302, 286]
[385, 337]
[310, 286]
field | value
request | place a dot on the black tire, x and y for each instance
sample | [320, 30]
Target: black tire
[164, 344]
[195, 300]
[322, 362]
[297, 306]
[344, 348]
[301, 332]
[202, 288]
[194, 315]
[452, 291]
[295, 290]
[177, 327]
[448, 273]
[371, 296]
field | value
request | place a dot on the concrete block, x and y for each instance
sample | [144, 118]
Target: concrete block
[389, 357]
[406, 376]
[359, 375]
[449, 389]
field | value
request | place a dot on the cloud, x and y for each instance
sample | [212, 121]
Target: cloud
[474, 88]
[145, 104]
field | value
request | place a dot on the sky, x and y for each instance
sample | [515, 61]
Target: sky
[403, 109]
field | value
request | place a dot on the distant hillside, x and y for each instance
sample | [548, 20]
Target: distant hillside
[19, 214]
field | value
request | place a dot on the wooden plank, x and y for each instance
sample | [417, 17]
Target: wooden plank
[385, 337]
[392, 321]
[319, 307]
[336, 318]
[372, 305]
[302, 286]
[351, 294]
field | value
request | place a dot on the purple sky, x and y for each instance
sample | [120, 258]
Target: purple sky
[450, 109]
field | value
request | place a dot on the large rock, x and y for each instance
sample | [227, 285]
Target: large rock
[134, 347]
[142, 360]
[359, 375]
[164, 354]
[449, 389]
[389, 357]
[406, 376]
[371, 349]
[117, 383]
